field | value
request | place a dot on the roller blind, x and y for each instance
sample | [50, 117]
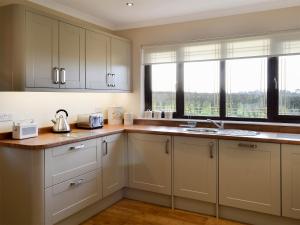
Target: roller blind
[283, 43]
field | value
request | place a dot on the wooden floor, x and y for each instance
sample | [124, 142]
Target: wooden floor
[129, 212]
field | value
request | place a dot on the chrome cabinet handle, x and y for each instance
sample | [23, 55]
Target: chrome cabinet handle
[55, 75]
[77, 147]
[114, 80]
[108, 79]
[167, 147]
[76, 183]
[211, 149]
[245, 145]
[275, 83]
[105, 149]
[62, 74]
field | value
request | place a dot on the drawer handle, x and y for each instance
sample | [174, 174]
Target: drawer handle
[211, 149]
[167, 146]
[105, 149]
[244, 145]
[76, 183]
[77, 147]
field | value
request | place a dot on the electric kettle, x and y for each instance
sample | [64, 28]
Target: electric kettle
[60, 123]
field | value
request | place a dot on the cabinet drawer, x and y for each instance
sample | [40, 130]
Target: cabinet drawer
[68, 161]
[69, 197]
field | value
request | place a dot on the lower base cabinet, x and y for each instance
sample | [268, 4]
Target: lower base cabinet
[113, 163]
[150, 162]
[249, 176]
[291, 181]
[195, 168]
[69, 197]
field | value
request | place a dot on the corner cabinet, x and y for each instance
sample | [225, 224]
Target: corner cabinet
[291, 181]
[249, 176]
[150, 162]
[107, 62]
[50, 54]
[196, 179]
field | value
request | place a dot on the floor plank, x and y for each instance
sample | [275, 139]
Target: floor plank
[130, 212]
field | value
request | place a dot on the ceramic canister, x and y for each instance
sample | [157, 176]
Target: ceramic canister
[148, 114]
[115, 115]
[128, 119]
[157, 114]
[168, 115]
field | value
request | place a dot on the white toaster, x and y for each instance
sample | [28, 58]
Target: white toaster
[24, 129]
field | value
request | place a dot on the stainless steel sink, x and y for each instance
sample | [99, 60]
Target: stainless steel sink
[235, 132]
[203, 130]
[226, 132]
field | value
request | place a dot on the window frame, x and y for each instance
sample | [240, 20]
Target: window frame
[272, 95]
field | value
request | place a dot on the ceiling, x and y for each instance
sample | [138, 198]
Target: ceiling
[115, 15]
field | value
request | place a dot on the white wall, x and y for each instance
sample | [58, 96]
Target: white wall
[42, 106]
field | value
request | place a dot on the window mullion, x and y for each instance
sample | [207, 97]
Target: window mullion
[148, 88]
[180, 91]
[272, 94]
[222, 90]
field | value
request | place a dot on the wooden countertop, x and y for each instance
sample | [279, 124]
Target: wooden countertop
[48, 140]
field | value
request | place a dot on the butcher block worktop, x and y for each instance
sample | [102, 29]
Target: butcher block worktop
[49, 140]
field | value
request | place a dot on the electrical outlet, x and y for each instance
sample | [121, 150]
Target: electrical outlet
[5, 117]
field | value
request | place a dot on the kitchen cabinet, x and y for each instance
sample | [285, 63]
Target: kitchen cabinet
[65, 162]
[42, 52]
[150, 162]
[73, 178]
[291, 181]
[97, 63]
[69, 197]
[107, 62]
[195, 168]
[120, 63]
[71, 56]
[55, 53]
[113, 161]
[249, 176]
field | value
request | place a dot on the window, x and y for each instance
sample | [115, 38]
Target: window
[246, 88]
[202, 88]
[164, 87]
[249, 78]
[289, 85]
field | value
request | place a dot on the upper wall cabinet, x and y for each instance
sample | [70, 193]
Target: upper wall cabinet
[47, 54]
[107, 62]
[55, 56]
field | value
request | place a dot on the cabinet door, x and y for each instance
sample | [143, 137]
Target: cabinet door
[291, 181]
[121, 63]
[72, 55]
[113, 156]
[197, 178]
[249, 176]
[41, 51]
[97, 46]
[150, 162]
